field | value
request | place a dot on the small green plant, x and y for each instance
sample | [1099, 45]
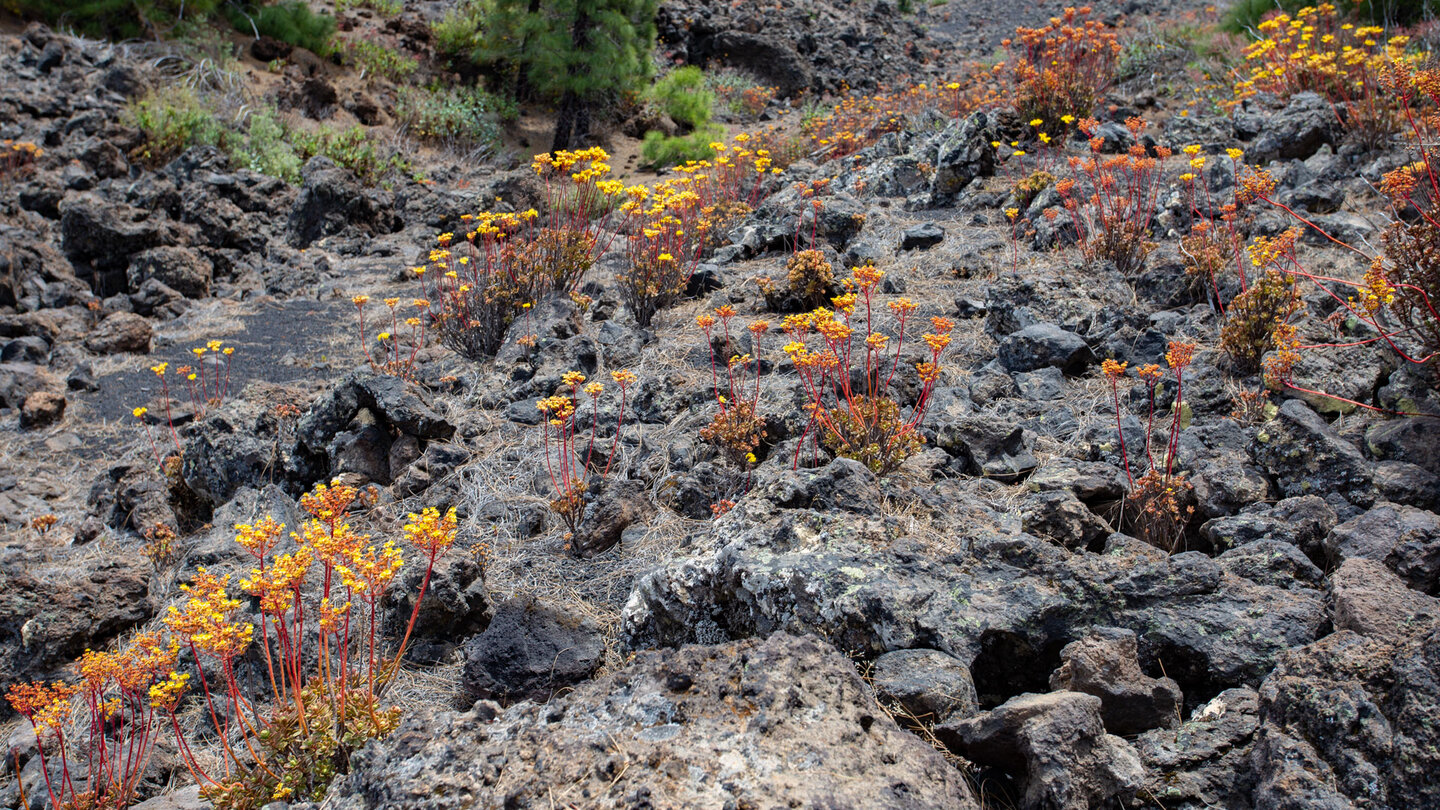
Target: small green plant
[385, 8]
[682, 95]
[267, 148]
[352, 148]
[812, 111]
[292, 21]
[726, 83]
[457, 115]
[375, 59]
[117, 19]
[173, 119]
[739, 93]
[660, 151]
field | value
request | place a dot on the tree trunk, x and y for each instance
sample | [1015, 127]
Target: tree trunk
[565, 122]
[572, 127]
[522, 76]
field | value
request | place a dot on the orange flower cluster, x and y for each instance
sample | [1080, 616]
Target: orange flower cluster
[737, 429]
[326, 699]
[865, 422]
[859, 121]
[1113, 221]
[1158, 508]
[115, 691]
[1061, 68]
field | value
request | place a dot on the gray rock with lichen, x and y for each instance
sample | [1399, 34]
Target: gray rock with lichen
[782, 721]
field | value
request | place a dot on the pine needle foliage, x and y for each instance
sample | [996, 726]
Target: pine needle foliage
[577, 52]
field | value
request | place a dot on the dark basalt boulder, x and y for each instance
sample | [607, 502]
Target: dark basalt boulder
[529, 651]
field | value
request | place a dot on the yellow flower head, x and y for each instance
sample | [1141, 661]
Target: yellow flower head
[431, 531]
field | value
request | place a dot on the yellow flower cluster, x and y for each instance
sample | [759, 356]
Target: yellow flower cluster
[1316, 49]
[563, 162]
[17, 154]
[557, 409]
[1272, 252]
[165, 694]
[1376, 292]
[369, 571]
[431, 531]
[205, 623]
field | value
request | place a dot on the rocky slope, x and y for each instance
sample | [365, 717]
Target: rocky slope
[970, 631]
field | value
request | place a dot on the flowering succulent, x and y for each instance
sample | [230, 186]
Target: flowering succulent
[1113, 220]
[862, 422]
[475, 287]
[1353, 66]
[569, 466]
[1157, 506]
[679, 220]
[1062, 67]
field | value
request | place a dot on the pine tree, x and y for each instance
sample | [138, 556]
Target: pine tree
[577, 51]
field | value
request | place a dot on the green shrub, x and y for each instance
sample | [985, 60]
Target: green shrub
[377, 60]
[173, 120]
[458, 115]
[352, 148]
[385, 8]
[267, 148]
[117, 19]
[177, 118]
[658, 151]
[289, 21]
[459, 33]
[682, 95]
